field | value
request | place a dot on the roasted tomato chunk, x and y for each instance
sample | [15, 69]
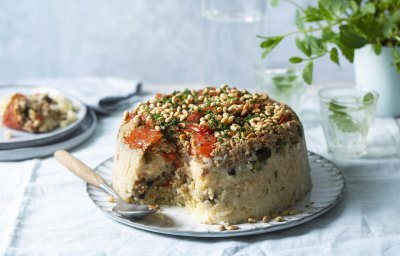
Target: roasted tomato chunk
[204, 139]
[194, 117]
[196, 128]
[204, 143]
[143, 137]
[11, 117]
[173, 158]
[282, 119]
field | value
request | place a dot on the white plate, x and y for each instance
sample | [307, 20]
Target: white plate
[327, 189]
[26, 139]
[79, 135]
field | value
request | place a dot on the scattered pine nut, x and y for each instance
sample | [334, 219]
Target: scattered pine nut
[251, 220]
[153, 207]
[266, 219]
[232, 227]
[111, 199]
[285, 212]
[8, 134]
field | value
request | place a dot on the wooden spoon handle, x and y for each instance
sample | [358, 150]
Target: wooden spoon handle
[78, 168]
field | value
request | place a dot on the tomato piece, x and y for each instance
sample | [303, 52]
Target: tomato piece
[194, 117]
[209, 108]
[172, 157]
[199, 129]
[211, 94]
[282, 120]
[10, 118]
[204, 143]
[167, 184]
[203, 138]
[143, 137]
[130, 116]
[169, 157]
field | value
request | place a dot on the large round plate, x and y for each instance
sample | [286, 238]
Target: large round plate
[26, 139]
[327, 189]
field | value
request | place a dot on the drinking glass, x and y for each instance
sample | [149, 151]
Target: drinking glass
[230, 42]
[281, 82]
[346, 115]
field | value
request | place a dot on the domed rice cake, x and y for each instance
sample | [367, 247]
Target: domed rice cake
[224, 154]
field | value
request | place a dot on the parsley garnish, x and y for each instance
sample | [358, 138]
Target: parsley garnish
[249, 117]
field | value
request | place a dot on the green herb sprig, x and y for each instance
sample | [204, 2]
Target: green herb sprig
[341, 26]
[343, 120]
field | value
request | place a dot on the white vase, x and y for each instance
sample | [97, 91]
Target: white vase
[378, 73]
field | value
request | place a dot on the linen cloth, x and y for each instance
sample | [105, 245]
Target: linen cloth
[45, 209]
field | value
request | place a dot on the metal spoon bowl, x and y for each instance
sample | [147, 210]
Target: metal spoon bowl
[129, 211]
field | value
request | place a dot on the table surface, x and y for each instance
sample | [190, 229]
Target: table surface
[45, 209]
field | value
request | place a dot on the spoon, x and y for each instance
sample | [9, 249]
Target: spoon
[112, 102]
[129, 211]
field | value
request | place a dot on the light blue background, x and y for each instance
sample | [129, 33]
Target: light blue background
[158, 41]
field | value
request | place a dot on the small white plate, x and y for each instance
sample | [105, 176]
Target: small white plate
[328, 186]
[25, 139]
[78, 136]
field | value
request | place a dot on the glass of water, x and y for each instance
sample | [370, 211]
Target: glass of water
[281, 82]
[346, 115]
[230, 29]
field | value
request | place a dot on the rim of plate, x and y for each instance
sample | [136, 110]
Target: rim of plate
[43, 138]
[327, 166]
[78, 136]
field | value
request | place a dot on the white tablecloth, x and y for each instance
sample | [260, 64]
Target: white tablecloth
[44, 210]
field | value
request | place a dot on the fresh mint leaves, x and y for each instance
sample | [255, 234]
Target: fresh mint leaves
[343, 120]
[308, 71]
[368, 98]
[341, 26]
[284, 83]
[334, 55]
[335, 107]
[269, 44]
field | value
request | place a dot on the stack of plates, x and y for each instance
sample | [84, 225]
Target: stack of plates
[24, 145]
